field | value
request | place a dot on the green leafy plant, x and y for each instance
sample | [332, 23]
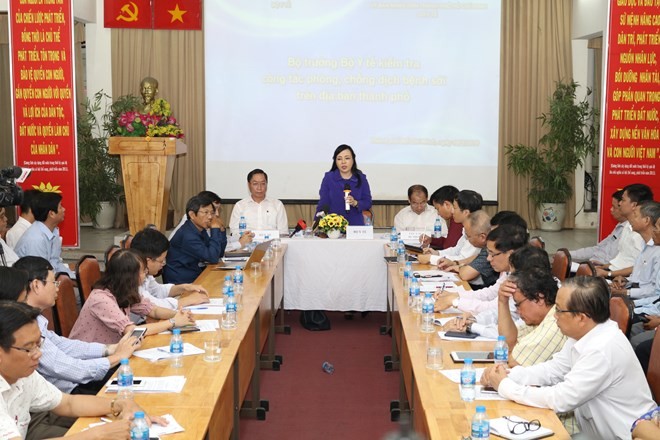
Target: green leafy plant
[571, 136]
[99, 173]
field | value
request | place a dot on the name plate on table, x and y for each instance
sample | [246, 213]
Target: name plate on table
[410, 236]
[264, 235]
[359, 232]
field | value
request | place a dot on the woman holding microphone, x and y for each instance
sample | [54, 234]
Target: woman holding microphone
[345, 189]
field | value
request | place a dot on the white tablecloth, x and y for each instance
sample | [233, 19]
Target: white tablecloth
[343, 275]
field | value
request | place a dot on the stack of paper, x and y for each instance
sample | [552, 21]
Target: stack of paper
[158, 353]
[437, 275]
[163, 384]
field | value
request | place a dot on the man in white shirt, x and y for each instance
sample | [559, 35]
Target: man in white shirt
[631, 243]
[23, 390]
[153, 246]
[260, 212]
[595, 374]
[7, 257]
[24, 221]
[466, 201]
[419, 215]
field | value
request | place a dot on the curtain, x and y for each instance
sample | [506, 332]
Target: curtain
[176, 60]
[536, 52]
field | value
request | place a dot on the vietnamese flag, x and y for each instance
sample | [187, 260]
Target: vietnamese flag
[178, 14]
[128, 14]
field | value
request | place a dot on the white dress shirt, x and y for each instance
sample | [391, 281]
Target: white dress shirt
[158, 294]
[409, 220]
[598, 377]
[269, 215]
[461, 251]
[17, 231]
[10, 255]
[29, 394]
[630, 246]
[604, 251]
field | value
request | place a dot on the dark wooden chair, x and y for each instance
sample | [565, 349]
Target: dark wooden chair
[561, 264]
[621, 311]
[653, 373]
[88, 272]
[586, 269]
[537, 241]
[367, 214]
[51, 316]
[65, 309]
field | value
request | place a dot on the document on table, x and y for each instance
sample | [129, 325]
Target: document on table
[158, 353]
[477, 339]
[455, 376]
[500, 427]
[155, 431]
[204, 325]
[437, 275]
[216, 306]
[162, 384]
[432, 286]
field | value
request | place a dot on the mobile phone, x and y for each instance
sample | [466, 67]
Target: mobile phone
[138, 332]
[489, 390]
[135, 382]
[463, 335]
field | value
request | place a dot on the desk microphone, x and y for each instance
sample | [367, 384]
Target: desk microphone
[347, 192]
[300, 226]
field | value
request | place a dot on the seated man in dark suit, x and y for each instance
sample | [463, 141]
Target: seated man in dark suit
[198, 242]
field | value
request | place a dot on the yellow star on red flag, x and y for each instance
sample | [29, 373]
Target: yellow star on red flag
[177, 14]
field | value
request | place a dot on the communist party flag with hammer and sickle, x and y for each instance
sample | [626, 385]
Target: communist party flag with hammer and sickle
[129, 14]
[153, 14]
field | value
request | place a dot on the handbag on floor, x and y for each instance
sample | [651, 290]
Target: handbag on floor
[314, 320]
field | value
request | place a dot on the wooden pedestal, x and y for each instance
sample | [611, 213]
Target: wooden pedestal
[147, 167]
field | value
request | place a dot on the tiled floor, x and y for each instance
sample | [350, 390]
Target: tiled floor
[96, 241]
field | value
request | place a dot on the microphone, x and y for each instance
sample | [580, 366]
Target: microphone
[319, 216]
[301, 225]
[347, 192]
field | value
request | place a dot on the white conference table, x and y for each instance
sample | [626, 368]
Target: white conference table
[339, 274]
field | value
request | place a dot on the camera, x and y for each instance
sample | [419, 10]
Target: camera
[10, 193]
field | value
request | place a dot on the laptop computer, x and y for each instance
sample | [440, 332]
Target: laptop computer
[255, 257]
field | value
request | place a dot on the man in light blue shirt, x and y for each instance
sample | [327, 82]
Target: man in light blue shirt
[42, 238]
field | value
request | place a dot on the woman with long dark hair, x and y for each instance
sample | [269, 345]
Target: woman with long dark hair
[105, 315]
[345, 184]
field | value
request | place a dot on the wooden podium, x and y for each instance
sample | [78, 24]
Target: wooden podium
[147, 165]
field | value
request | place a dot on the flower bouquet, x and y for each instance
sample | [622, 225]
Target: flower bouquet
[159, 122]
[331, 223]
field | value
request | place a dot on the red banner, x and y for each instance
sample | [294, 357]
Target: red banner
[178, 14]
[129, 14]
[41, 39]
[631, 133]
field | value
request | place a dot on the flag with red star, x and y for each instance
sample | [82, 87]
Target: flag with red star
[129, 14]
[178, 14]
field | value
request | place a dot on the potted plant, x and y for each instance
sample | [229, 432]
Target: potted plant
[99, 189]
[570, 138]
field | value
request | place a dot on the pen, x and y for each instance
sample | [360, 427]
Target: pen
[106, 420]
[197, 308]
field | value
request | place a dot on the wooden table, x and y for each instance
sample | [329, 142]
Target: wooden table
[215, 394]
[433, 401]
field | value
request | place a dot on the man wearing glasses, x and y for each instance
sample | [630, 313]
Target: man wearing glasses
[595, 374]
[24, 390]
[153, 245]
[71, 365]
[198, 242]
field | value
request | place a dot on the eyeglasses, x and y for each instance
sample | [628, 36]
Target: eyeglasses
[521, 427]
[162, 262]
[518, 304]
[558, 310]
[493, 255]
[205, 212]
[57, 283]
[32, 351]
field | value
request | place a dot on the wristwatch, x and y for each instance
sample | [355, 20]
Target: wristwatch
[454, 303]
[609, 274]
[173, 322]
[468, 328]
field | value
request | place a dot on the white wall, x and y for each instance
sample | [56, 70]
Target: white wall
[99, 70]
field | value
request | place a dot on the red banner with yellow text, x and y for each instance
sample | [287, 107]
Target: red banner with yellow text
[41, 39]
[128, 14]
[631, 135]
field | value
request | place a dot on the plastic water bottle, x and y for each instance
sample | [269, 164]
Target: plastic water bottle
[227, 286]
[124, 380]
[437, 228]
[242, 226]
[139, 427]
[480, 424]
[176, 348]
[427, 313]
[501, 352]
[407, 274]
[238, 275]
[229, 323]
[238, 287]
[394, 237]
[401, 252]
[468, 381]
[328, 367]
[415, 291]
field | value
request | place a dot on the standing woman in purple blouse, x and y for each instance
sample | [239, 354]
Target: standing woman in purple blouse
[345, 175]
